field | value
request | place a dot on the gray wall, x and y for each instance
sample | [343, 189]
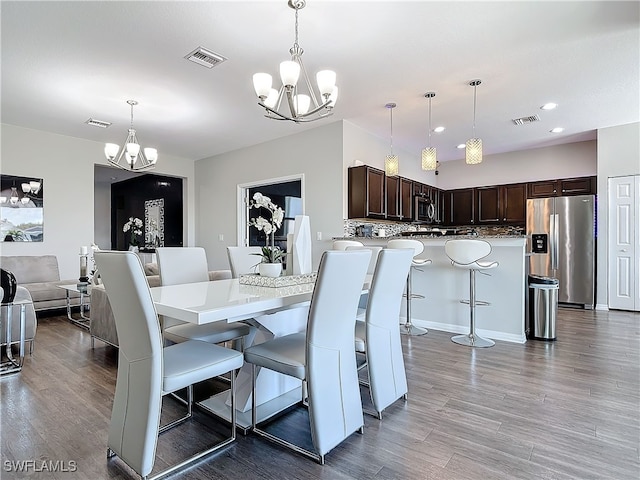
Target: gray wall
[316, 153]
[66, 165]
[618, 155]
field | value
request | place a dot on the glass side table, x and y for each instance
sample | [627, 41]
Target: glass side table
[14, 365]
[85, 292]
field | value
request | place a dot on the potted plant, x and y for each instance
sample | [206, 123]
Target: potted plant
[271, 264]
[134, 225]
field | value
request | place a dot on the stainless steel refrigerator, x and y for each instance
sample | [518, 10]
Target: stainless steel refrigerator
[561, 242]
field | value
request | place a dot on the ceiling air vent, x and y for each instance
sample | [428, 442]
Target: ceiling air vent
[204, 57]
[98, 123]
[523, 120]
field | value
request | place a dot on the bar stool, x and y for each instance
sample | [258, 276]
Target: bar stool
[418, 247]
[467, 254]
[343, 244]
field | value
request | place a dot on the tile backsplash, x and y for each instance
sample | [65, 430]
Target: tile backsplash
[392, 229]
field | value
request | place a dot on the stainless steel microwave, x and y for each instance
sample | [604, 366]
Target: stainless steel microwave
[423, 209]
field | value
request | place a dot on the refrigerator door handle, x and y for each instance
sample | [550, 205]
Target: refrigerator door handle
[554, 240]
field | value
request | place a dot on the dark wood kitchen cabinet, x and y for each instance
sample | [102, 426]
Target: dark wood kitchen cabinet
[501, 204]
[514, 209]
[578, 186]
[488, 205]
[562, 187]
[399, 198]
[393, 199]
[460, 206]
[367, 192]
[406, 199]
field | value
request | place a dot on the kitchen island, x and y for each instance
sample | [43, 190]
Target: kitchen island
[444, 286]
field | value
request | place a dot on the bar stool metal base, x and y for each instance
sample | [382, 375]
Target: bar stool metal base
[472, 340]
[410, 329]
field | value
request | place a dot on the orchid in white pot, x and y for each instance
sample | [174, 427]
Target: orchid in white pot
[270, 253]
[134, 225]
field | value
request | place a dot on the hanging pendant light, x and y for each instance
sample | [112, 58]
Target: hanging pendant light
[429, 158]
[473, 148]
[298, 107]
[391, 162]
[131, 157]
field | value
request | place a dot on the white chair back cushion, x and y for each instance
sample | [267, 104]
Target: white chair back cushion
[388, 380]
[466, 251]
[416, 245]
[178, 265]
[335, 408]
[374, 256]
[243, 260]
[343, 244]
[135, 416]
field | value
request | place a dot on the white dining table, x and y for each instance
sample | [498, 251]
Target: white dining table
[226, 300]
[274, 311]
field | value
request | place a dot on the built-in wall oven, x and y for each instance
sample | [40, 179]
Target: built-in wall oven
[424, 209]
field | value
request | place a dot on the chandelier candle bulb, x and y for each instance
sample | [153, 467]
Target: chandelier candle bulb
[289, 73]
[262, 84]
[326, 82]
[301, 104]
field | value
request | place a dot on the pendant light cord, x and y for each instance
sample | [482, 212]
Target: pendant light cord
[475, 88]
[429, 122]
[391, 112]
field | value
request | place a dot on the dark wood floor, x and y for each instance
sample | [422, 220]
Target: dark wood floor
[563, 410]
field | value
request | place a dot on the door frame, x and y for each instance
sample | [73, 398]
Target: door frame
[633, 255]
[242, 202]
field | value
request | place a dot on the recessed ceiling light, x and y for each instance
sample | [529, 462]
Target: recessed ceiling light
[439, 129]
[462, 145]
[557, 130]
[548, 106]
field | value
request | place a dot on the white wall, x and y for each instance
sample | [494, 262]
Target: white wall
[66, 165]
[316, 153]
[618, 155]
[561, 161]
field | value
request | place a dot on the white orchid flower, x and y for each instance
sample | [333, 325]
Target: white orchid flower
[277, 217]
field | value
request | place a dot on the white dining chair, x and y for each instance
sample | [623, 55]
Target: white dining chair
[323, 357]
[243, 260]
[378, 336]
[180, 265]
[147, 371]
[409, 328]
[364, 298]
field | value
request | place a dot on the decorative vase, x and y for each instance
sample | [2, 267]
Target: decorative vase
[9, 286]
[270, 269]
[133, 248]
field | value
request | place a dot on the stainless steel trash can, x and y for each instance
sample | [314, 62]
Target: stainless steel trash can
[543, 307]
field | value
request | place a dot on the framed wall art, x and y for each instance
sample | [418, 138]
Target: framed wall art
[21, 209]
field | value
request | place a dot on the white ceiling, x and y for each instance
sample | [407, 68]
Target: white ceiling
[63, 62]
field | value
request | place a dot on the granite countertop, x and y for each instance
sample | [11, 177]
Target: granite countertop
[430, 235]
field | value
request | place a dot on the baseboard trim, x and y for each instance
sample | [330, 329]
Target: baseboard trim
[447, 327]
[602, 306]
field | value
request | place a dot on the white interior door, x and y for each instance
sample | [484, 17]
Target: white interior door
[624, 243]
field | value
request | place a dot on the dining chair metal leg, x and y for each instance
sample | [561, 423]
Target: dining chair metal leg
[189, 403]
[269, 436]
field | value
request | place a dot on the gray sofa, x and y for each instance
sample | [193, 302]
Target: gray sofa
[102, 325]
[40, 275]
